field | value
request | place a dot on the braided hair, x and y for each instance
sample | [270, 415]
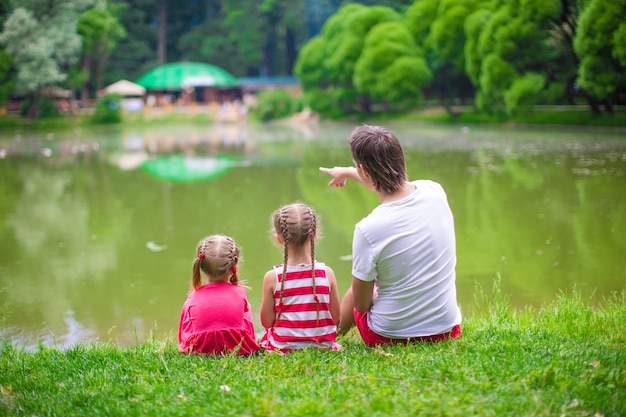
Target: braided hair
[216, 256]
[295, 224]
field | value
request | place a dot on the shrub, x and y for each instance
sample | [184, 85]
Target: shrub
[47, 108]
[275, 104]
[108, 109]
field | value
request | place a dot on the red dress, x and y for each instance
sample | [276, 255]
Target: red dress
[217, 319]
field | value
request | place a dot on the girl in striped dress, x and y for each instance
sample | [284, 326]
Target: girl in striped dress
[300, 305]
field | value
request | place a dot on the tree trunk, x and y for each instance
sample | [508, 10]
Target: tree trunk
[608, 105]
[593, 104]
[162, 32]
[290, 49]
[33, 106]
[84, 94]
[446, 105]
[100, 70]
[366, 104]
[267, 55]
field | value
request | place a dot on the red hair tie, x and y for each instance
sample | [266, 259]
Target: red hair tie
[235, 269]
[201, 255]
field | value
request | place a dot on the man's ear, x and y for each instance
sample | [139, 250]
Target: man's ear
[364, 171]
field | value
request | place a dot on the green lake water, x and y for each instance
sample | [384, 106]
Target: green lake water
[99, 227]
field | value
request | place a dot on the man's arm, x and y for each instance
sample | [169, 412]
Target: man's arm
[363, 293]
[340, 175]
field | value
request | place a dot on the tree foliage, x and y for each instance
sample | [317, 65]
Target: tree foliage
[100, 31]
[349, 56]
[42, 39]
[391, 69]
[510, 44]
[364, 56]
[7, 76]
[600, 43]
[136, 53]
[438, 26]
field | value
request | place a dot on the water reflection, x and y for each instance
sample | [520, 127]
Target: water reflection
[96, 247]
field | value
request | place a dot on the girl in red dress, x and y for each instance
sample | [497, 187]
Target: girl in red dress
[216, 318]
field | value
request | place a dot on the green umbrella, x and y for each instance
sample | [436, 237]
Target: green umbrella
[186, 74]
[181, 169]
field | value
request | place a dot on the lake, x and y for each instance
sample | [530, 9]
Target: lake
[99, 227]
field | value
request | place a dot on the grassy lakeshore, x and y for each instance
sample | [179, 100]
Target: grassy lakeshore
[564, 359]
[561, 117]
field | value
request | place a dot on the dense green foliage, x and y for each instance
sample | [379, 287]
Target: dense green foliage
[507, 54]
[100, 31]
[275, 104]
[351, 57]
[108, 110]
[43, 42]
[601, 45]
[567, 358]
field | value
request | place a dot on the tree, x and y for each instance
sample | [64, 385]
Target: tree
[136, 53]
[100, 31]
[211, 40]
[326, 64]
[7, 72]
[391, 69]
[518, 53]
[248, 37]
[438, 27]
[42, 39]
[600, 43]
[7, 77]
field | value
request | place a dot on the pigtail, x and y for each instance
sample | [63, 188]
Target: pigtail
[284, 232]
[196, 277]
[311, 236]
[234, 258]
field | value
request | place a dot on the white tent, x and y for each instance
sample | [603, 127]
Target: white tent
[125, 88]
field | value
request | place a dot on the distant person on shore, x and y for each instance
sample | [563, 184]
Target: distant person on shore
[403, 253]
[216, 319]
[300, 305]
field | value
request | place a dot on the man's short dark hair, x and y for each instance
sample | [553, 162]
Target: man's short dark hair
[380, 152]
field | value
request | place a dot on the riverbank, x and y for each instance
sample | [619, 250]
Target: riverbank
[566, 358]
[556, 116]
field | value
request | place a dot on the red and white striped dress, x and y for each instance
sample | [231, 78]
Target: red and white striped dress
[303, 322]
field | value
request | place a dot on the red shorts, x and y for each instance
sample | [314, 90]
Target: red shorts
[372, 339]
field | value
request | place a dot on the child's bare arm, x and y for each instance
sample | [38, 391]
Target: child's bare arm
[335, 302]
[268, 314]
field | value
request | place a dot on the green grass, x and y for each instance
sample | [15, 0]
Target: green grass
[564, 359]
[577, 117]
[81, 120]
[563, 117]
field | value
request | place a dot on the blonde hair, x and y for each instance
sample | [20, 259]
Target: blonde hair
[216, 256]
[295, 224]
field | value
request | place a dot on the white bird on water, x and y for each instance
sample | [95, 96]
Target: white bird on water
[154, 247]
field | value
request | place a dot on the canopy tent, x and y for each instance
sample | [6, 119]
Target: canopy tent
[180, 75]
[125, 88]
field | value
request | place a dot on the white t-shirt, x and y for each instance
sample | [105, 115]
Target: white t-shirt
[408, 247]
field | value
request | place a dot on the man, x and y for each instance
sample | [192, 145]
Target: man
[403, 253]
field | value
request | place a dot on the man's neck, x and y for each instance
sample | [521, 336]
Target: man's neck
[406, 189]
